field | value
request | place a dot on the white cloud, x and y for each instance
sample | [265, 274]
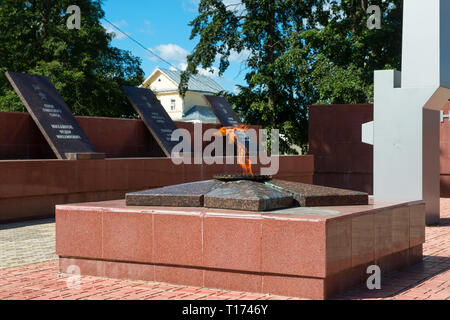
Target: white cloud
[236, 90]
[148, 29]
[116, 34]
[177, 55]
[241, 57]
[171, 52]
[213, 72]
[235, 5]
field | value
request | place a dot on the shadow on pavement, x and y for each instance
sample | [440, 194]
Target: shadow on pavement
[28, 223]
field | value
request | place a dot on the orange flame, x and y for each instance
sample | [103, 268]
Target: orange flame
[245, 162]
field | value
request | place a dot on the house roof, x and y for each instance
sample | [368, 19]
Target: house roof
[204, 114]
[198, 83]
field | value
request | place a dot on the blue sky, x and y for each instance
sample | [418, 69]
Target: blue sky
[162, 26]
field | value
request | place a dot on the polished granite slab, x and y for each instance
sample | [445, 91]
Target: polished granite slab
[180, 195]
[51, 114]
[246, 195]
[308, 195]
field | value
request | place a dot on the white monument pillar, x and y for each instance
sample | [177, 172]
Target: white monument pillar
[406, 123]
[426, 44]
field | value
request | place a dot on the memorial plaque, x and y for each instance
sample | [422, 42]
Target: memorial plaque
[223, 111]
[51, 114]
[229, 118]
[154, 116]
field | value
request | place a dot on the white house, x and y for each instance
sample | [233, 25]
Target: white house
[193, 107]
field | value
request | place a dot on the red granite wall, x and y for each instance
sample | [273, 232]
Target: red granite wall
[31, 188]
[445, 154]
[20, 138]
[340, 158]
[334, 137]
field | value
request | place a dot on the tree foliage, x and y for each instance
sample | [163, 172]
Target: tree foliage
[87, 71]
[301, 52]
[346, 52]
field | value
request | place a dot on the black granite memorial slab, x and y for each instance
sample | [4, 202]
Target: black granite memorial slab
[223, 111]
[229, 118]
[51, 114]
[154, 116]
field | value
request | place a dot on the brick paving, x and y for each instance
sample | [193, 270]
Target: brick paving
[24, 244]
[43, 282]
[429, 280]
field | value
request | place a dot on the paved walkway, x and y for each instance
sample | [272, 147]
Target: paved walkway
[27, 242]
[429, 280]
[23, 245]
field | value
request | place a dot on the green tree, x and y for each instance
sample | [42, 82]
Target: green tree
[302, 52]
[87, 71]
[346, 51]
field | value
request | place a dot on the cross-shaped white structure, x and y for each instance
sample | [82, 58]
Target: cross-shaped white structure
[406, 123]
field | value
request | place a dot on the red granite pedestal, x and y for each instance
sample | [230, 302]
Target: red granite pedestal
[302, 252]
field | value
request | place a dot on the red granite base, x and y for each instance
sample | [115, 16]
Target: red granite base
[303, 252]
[285, 285]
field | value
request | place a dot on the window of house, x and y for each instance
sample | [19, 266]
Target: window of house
[172, 105]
